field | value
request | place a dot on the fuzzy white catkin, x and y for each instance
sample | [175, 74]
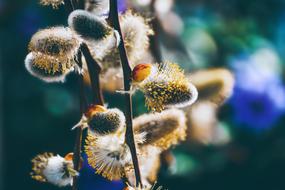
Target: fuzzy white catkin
[111, 121]
[56, 41]
[136, 31]
[109, 151]
[95, 31]
[54, 172]
[29, 62]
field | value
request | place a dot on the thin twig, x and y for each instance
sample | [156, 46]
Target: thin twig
[127, 72]
[78, 139]
[94, 70]
[69, 7]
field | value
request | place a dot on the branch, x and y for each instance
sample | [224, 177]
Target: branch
[94, 70]
[78, 139]
[127, 72]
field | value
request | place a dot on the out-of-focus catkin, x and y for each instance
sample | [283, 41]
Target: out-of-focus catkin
[162, 129]
[215, 85]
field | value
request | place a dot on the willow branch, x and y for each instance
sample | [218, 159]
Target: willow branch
[127, 72]
[94, 70]
[69, 7]
[78, 139]
[154, 40]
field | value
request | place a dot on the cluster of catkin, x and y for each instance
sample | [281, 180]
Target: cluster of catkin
[53, 54]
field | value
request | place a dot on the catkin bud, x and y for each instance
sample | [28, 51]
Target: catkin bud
[52, 54]
[48, 68]
[102, 121]
[53, 169]
[99, 36]
[165, 85]
[142, 71]
[215, 85]
[106, 122]
[162, 129]
[55, 41]
[88, 26]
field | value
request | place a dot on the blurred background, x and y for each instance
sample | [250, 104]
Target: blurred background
[245, 36]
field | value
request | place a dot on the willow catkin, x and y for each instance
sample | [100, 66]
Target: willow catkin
[48, 68]
[163, 129]
[102, 121]
[215, 85]
[106, 122]
[95, 31]
[56, 41]
[52, 53]
[164, 86]
[53, 169]
[108, 154]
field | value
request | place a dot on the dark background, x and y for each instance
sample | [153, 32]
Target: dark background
[37, 117]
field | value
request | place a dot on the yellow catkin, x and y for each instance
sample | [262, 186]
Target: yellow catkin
[55, 41]
[51, 65]
[168, 87]
[98, 159]
[39, 163]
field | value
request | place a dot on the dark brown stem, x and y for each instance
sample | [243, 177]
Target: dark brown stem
[127, 72]
[78, 139]
[69, 6]
[94, 70]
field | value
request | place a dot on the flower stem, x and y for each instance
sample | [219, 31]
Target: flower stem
[94, 70]
[127, 72]
[78, 139]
